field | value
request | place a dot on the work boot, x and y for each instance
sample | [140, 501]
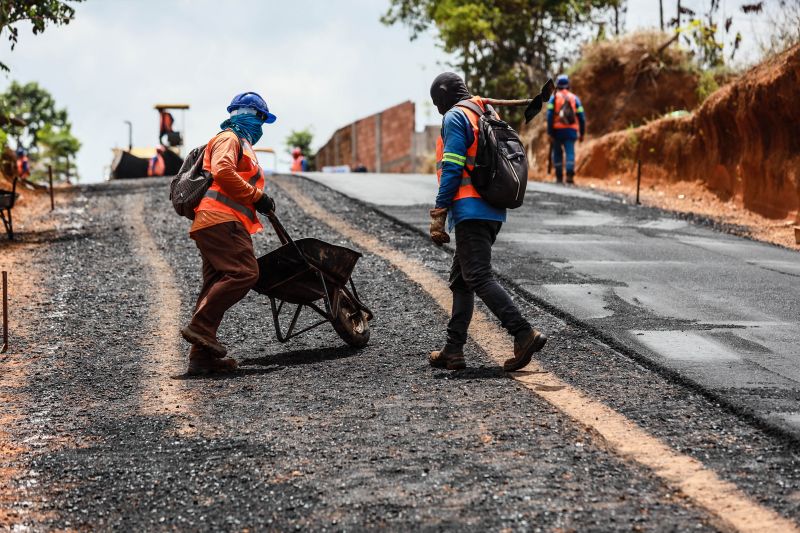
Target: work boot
[570, 178]
[526, 343]
[202, 362]
[451, 360]
[559, 177]
[196, 338]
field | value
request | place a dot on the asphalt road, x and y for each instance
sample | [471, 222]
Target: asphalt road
[719, 311]
[100, 430]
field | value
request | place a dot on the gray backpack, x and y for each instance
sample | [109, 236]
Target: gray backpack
[191, 182]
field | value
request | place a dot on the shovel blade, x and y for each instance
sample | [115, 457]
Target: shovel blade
[533, 108]
[548, 89]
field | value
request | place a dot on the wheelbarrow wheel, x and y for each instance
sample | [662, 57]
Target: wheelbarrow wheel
[350, 322]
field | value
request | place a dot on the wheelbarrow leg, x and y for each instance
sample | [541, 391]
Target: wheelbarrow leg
[8, 222]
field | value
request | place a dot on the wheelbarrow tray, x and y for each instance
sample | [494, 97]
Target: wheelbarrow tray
[284, 275]
[7, 199]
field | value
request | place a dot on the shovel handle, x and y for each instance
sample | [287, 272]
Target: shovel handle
[495, 101]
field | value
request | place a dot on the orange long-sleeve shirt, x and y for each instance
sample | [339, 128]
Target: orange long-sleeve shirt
[223, 162]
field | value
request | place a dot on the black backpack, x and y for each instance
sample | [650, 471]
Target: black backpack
[500, 174]
[191, 182]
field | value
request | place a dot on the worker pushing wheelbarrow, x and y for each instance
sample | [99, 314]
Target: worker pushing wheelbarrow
[310, 273]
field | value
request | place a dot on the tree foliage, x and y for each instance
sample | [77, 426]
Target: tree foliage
[39, 13]
[47, 133]
[506, 48]
[302, 139]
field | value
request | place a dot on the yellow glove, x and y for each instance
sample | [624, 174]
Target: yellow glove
[438, 219]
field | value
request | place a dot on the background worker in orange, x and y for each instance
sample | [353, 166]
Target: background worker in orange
[155, 167]
[23, 165]
[299, 163]
[224, 221]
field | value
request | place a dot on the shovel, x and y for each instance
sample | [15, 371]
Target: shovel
[534, 105]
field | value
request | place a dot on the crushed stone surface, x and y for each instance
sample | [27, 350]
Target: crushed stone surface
[312, 434]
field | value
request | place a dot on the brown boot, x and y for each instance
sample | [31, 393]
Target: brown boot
[446, 359]
[525, 345]
[196, 338]
[202, 362]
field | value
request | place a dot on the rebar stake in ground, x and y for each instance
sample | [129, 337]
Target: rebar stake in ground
[5, 312]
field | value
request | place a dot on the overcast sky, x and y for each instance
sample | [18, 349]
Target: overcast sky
[319, 63]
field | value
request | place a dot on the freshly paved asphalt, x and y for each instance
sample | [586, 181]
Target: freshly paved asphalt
[720, 311]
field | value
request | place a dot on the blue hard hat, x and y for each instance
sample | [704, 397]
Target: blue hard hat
[253, 101]
[20, 151]
[562, 81]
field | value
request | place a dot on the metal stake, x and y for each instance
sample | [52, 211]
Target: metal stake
[638, 179]
[50, 177]
[5, 312]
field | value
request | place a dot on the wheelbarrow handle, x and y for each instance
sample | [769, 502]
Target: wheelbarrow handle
[283, 235]
[280, 231]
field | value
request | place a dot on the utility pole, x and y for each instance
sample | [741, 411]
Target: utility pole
[678, 17]
[130, 135]
[661, 13]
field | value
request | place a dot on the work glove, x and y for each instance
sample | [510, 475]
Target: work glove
[265, 204]
[438, 219]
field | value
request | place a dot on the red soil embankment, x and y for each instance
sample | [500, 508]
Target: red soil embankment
[743, 143]
[624, 82]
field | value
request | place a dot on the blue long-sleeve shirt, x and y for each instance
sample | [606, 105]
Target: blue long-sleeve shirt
[458, 136]
[565, 133]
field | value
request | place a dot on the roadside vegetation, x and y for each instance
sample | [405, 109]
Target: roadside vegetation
[45, 132]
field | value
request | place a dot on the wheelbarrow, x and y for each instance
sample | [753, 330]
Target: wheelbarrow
[7, 201]
[310, 273]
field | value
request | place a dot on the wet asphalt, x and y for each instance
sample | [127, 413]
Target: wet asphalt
[312, 434]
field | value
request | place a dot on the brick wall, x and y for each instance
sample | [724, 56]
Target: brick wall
[384, 142]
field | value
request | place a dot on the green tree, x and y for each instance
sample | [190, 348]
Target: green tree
[506, 48]
[36, 107]
[301, 139]
[59, 149]
[47, 133]
[39, 13]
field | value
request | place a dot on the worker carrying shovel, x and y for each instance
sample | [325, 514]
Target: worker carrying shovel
[223, 223]
[476, 225]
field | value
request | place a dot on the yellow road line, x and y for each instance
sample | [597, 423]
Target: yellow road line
[721, 498]
[161, 395]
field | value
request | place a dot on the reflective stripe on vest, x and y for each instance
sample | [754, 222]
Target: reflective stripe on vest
[218, 196]
[467, 161]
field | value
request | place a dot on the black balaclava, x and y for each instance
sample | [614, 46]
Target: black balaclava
[447, 90]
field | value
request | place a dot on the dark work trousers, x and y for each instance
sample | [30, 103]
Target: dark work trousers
[471, 274]
[230, 270]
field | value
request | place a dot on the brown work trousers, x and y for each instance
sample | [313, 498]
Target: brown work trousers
[230, 270]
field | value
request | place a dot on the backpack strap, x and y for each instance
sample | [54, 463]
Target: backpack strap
[472, 106]
[241, 146]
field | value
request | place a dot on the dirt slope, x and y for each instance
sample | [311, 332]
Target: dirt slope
[742, 143]
[624, 82]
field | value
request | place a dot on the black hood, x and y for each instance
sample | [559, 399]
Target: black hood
[447, 90]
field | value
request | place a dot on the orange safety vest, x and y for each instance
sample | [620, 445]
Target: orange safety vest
[466, 189]
[565, 97]
[155, 167]
[215, 198]
[297, 164]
